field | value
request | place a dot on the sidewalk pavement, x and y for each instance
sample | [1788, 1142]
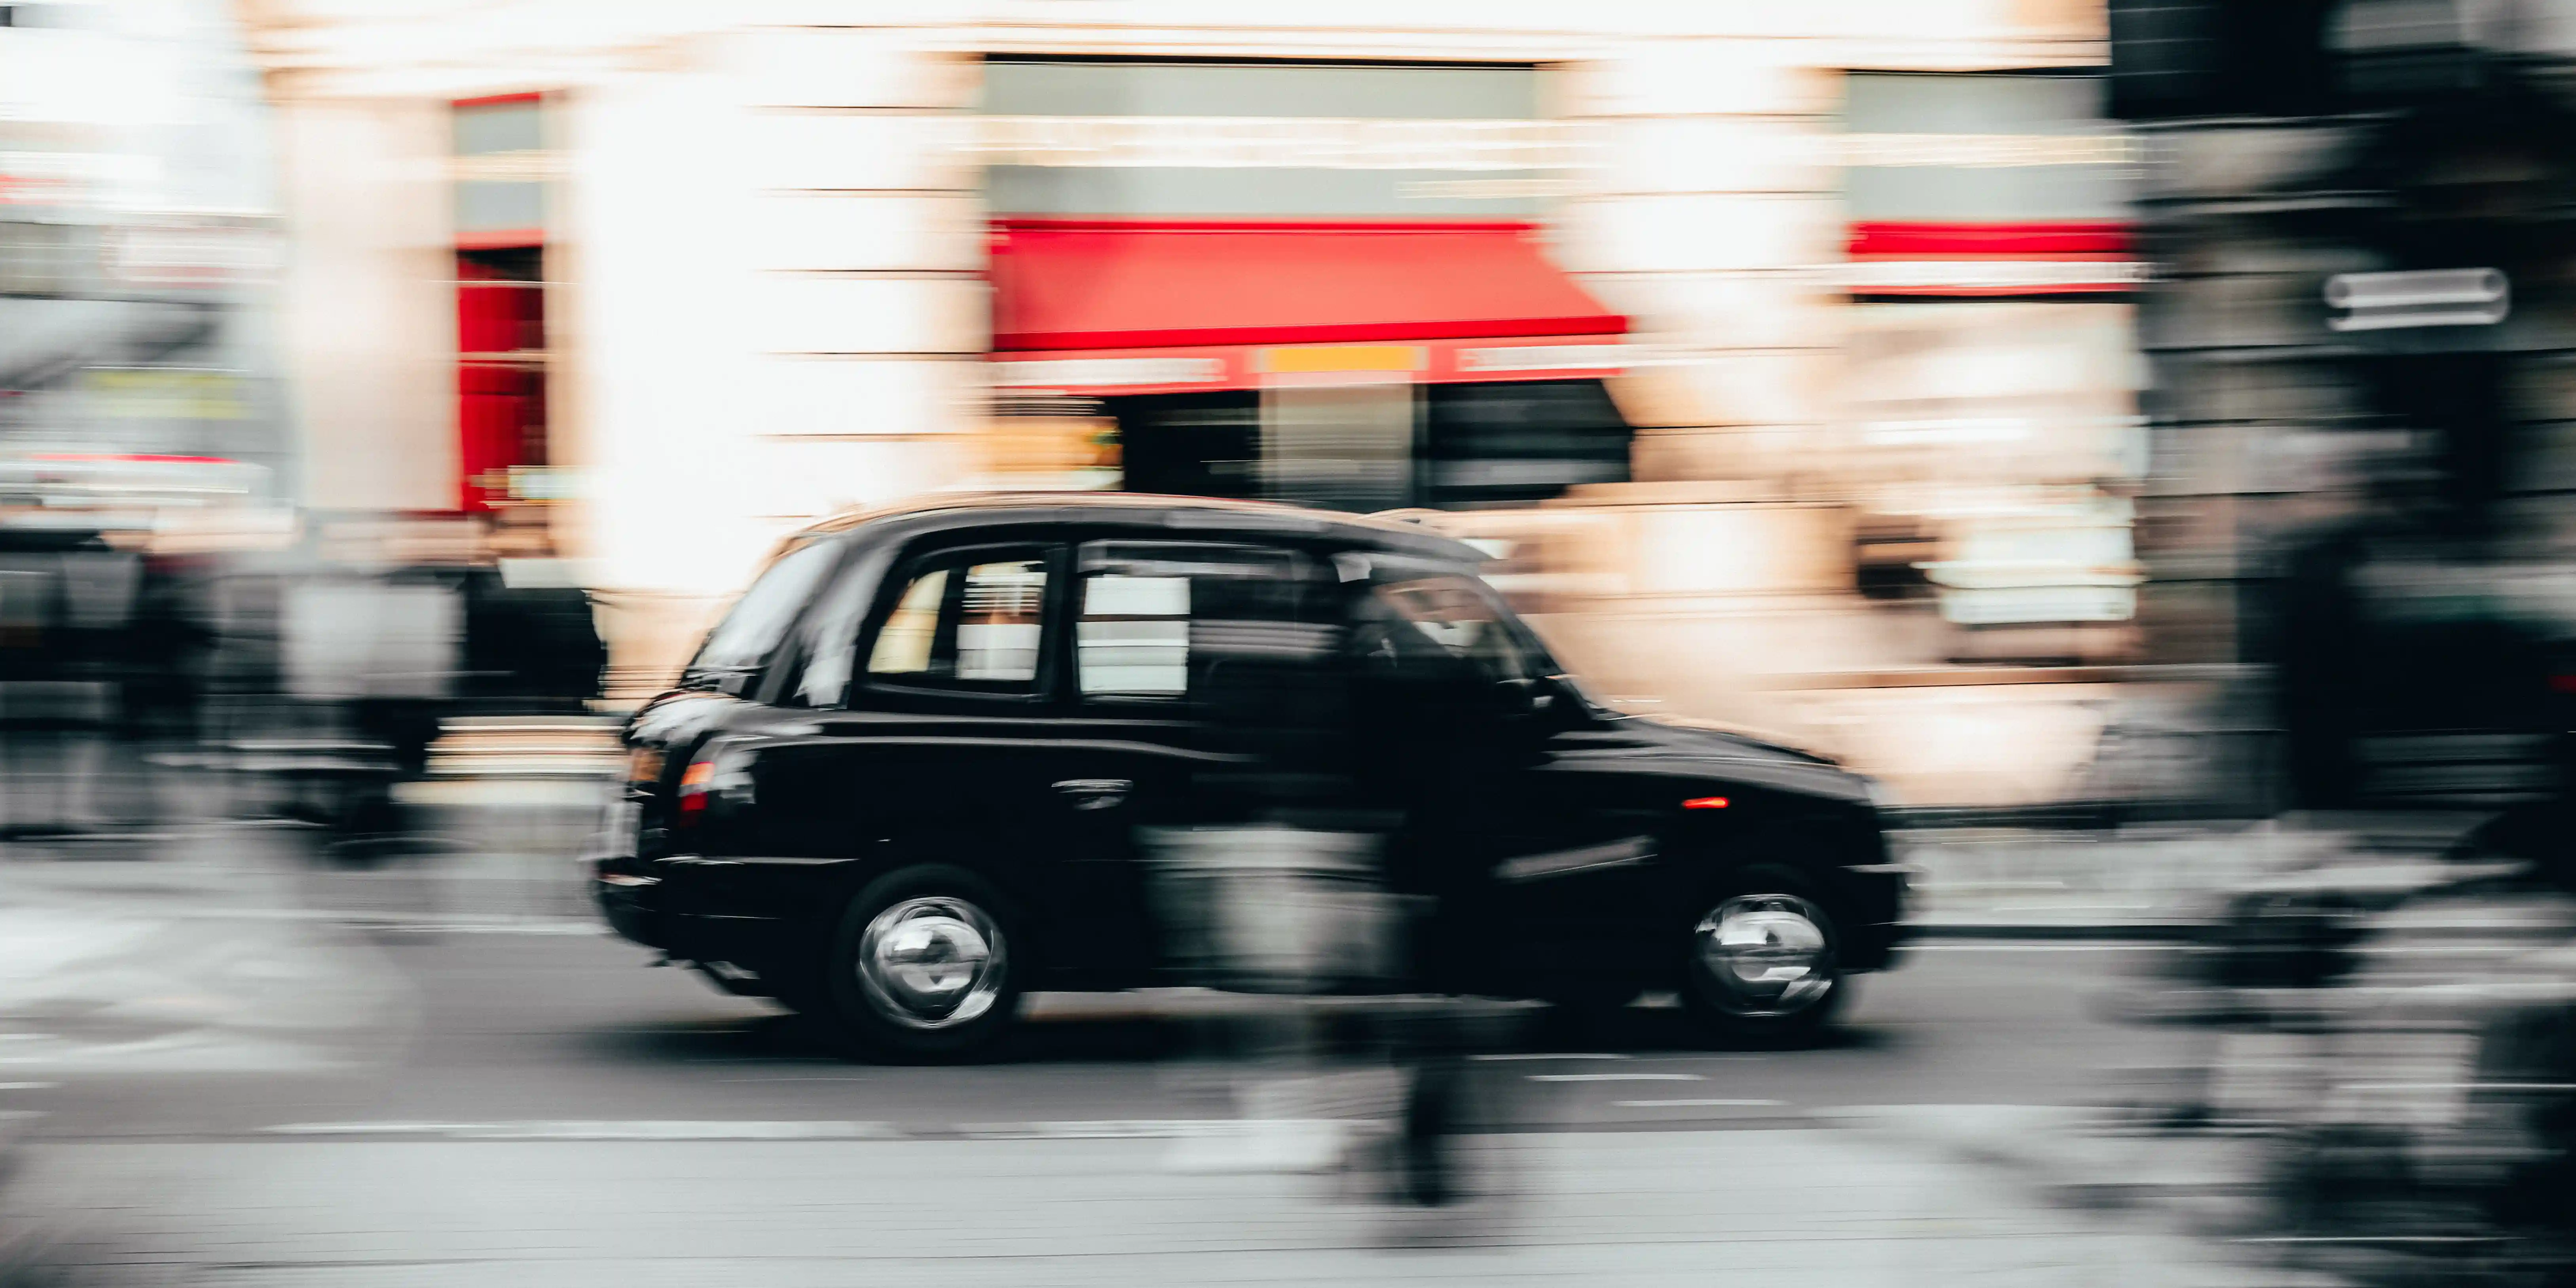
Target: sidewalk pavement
[2123, 883]
[189, 961]
[2197, 1184]
[2137, 882]
[1817, 1207]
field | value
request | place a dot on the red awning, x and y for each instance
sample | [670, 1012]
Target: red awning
[1092, 285]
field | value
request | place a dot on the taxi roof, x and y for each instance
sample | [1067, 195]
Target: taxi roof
[1196, 514]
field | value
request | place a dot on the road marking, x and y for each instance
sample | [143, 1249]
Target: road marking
[667, 1130]
[1616, 1077]
[1549, 1055]
[637, 1129]
[364, 1129]
[2041, 946]
[1108, 1129]
[357, 919]
[1696, 1104]
[27, 1086]
[532, 927]
[824, 1131]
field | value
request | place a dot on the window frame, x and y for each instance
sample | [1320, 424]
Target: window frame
[1040, 690]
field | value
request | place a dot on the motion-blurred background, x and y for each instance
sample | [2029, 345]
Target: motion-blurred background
[1943, 386]
[2152, 418]
[1798, 365]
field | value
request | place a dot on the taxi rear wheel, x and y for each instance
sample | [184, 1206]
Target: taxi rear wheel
[923, 966]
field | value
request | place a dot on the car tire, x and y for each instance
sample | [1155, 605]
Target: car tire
[1762, 960]
[925, 966]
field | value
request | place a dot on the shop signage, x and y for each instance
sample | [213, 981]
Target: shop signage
[1993, 276]
[1054, 373]
[1300, 142]
[1343, 359]
[166, 393]
[1105, 374]
[1549, 357]
[1358, 143]
[210, 255]
[1985, 151]
[2436, 297]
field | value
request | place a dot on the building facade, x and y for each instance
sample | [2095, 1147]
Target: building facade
[1783, 350]
[2362, 344]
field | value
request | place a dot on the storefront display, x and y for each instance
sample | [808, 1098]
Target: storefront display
[1991, 406]
[1321, 325]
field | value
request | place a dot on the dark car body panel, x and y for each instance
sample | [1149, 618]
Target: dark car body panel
[1561, 850]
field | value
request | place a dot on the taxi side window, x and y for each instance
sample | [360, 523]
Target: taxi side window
[1461, 619]
[1154, 620]
[829, 642]
[968, 620]
[759, 620]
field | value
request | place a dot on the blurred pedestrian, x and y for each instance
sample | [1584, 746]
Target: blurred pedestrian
[66, 603]
[1309, 875]
[165, 670]
[531, 644]
[1272, 890]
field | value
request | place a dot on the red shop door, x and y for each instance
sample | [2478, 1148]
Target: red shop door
[500, 378]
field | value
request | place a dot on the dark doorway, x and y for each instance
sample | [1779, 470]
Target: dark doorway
[1501, 443]
[1191, 444]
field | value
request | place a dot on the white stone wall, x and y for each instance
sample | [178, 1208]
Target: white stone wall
[367, 310]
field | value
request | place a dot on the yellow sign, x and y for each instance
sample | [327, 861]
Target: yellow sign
[1328, 358]
[166, 393]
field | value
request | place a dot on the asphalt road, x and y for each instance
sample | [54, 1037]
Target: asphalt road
[571, 1033]
[241, 1061]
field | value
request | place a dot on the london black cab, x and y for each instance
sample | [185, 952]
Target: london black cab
[917, 768]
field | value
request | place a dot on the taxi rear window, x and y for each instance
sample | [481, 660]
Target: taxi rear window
[750, 632]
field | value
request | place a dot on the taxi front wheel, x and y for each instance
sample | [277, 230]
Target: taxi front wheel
[1763, 961]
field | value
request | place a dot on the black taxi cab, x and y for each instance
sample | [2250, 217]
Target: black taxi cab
[913, 773]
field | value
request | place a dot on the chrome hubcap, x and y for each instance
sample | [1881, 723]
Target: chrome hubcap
[932, 963]
[1765, 955]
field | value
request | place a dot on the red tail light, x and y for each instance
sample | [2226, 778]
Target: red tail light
[1705, 802]
[695, 785]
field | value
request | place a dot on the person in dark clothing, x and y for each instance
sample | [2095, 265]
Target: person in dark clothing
[530, 649]
[169, 650]
[66, 601]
